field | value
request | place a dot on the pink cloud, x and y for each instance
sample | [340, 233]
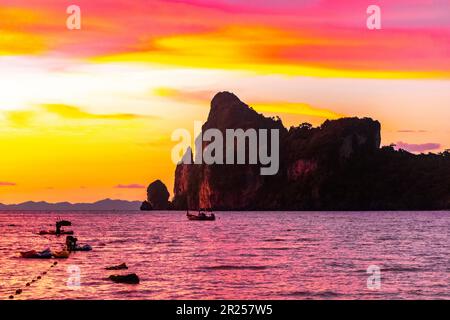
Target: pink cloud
[5, 183]
[130, 186]
[326, 34]
[421, 147]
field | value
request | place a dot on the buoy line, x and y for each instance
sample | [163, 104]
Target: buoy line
[34, 280]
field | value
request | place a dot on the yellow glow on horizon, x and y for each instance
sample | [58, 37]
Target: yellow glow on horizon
[67, 153]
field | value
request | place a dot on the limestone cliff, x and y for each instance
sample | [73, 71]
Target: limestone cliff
[337, 166]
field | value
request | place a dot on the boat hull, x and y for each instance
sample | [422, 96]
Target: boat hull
[193, 217]
[53, 232]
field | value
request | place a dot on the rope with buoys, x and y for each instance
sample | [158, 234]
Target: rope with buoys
[28, 284]
[34, 280]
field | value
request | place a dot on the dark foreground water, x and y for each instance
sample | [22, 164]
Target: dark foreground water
[242, 255]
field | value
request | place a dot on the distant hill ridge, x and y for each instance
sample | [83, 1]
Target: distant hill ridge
[106, 204]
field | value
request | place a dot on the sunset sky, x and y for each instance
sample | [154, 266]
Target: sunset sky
[88, 114]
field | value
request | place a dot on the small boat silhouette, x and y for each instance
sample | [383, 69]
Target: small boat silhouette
[201, 216]
[58, 231]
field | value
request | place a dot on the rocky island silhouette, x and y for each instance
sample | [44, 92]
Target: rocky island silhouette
[336, 166]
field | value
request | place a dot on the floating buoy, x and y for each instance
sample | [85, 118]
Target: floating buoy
[19, 291]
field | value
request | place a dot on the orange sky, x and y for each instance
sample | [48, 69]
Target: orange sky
[88, 114]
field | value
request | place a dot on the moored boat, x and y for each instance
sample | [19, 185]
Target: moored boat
[58, 231]
[33, 254]
[201, 216]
